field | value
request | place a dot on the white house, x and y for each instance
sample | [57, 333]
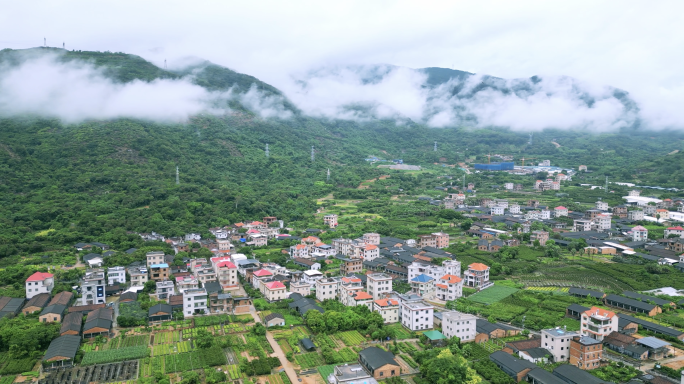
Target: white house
[388, 309]
[598, 323]
[311, 276]
[639, 233]
[186, 282]
[116, 275]
[138, 276]
[461, 325]
[560, 211]
[557, 341]
[195, 302]
[602, 205]
[497, 210]
[327, 288]
[679, 231]
[39, 282]
[417, 315]
[378, 284]
[93, 287]
[514, 208]
[449, 287]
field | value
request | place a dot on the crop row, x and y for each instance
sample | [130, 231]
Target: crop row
[114, 355]
[351, 338]
[309, 360]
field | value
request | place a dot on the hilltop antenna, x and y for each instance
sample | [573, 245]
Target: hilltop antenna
[44, 42]
[177, 178]
[164, 63]
[63, 45]
[328, 174]
[313, 156]
[435, 147]
[267, 153]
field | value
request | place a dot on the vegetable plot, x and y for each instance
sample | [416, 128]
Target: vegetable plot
[113, 355]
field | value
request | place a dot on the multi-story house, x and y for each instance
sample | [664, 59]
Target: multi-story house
[159, 272]
[39, 282]
[330, 220]
[581, 225]
[424, 286]
[388, 309]
[662, 214]
[602, 222]
[300, 287]
[299, 251]
[679, 231]
[186, 282]
[343, 246]
[220, 302]
[435, 240]
[598, 323]
[227, 275]
[542, 236]
[557, 341]
[164, 289]
[322, 250]
[205, 274]
[602, 205]
[509, 186]
[620, 211]
[650, 210]
[138, 276]
[349, 266]
[497, 210]
[116, 275]
[371, 238]
[448, 267]
[195, 302]
[634, 193]
[93, 287]
[545, 214]
[327, 288]
[639, 233]
[361, 298]
[514, 209]
[275, 291]
[477, 276]
[560, 211]
[156, 257]
[585, 352]
[348, 287]
[311, 276]
[635, 215]
[461, 325]
[417, 315]
[260, 276]
[449, 287]
[369, 252]
[224, 244]
[378, 284]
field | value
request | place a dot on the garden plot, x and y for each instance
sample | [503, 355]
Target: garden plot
[309, 360]
[400, 333]
[351, 338]
[493, 294]
[95, 373]
[166, 337]
[407, 364]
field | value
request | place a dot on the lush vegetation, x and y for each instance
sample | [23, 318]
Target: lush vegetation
[114, 355]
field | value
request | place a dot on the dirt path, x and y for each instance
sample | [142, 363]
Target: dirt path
[556, 144]
[278, 352]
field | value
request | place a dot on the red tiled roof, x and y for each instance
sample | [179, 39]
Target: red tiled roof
[600, 312]
[371, 247]
[226, 264]
[39, 276]
[262, 272]
[676, 229]
[351, 280]
[442, 286]
[561, 208]
[275, 285]
[300, 246]
[478, 267]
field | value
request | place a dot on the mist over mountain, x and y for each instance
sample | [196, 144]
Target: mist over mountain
[78, 85]
[441, 97]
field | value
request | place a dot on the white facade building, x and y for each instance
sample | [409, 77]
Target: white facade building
[138, 276]
[39, 282]
[378, 284]
[116, 275]
[557, 341]
[195, 302]
[93, 288]
[388, 309]
[417, 315]
[327, 288]
[461, 325]
[639, 233]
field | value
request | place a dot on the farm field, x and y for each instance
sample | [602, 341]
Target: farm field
[492, 294]
[114, 355]
[351, 338]
[548, 289]
[309, 360]
[400, 333]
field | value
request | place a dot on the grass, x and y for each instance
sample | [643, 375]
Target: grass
[400, 333]
[492, 294]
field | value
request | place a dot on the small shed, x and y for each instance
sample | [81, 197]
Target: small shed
[435, 337]
[37, 303]
[71, 325]
[160, 312]
[128, 296]
[62, 351]
[274, 319]
[308, 344]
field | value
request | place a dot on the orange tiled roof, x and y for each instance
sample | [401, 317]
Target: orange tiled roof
[600, 312]
[371, 247]
[442, 286]
[451, 279]
[478, 267]
[362, 296]
[386, 302]
[275, 285]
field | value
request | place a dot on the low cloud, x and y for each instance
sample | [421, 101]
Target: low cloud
[478, 101]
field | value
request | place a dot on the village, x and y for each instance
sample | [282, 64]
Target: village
[268, 320]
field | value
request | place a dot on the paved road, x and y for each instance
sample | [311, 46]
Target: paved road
[278, 352]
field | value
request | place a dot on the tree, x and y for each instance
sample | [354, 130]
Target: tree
[204, 339]
[258, 329]
[150, 286]
[448, 369]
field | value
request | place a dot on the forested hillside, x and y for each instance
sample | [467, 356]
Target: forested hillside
[63, 183]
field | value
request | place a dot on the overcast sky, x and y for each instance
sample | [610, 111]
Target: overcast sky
[632, 45]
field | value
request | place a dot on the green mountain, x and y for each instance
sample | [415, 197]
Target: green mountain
[95, 180]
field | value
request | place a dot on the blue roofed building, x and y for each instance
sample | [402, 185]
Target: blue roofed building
[424, 286]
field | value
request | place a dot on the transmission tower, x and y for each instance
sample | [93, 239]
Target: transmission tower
[312, 154]
[267, 153]
[606, 187]
[164, 63]
[435, 147]
[177, 178]
[530, 142]
[44, 41]
[328, 174]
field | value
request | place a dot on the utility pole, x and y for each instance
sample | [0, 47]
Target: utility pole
[177, 178]
[313, 156]
[267, 153]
